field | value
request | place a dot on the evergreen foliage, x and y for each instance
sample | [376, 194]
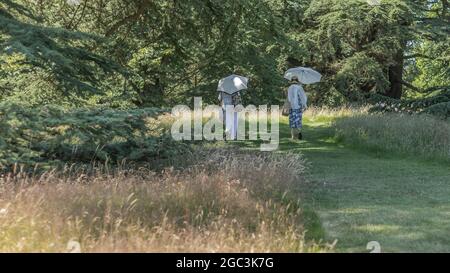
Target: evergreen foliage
[364, 48]
[52, 135]
[128, 54]
[438, 105]
[33, 52]
[174, 50]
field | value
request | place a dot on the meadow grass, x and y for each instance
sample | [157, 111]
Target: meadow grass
[227, 197]
[360, 196]
[316, 114]
[226, 201]
[417, 135]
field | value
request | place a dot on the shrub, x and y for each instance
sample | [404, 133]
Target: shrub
[420, 135]
[438, 105]
[51, 135]
[440, 109]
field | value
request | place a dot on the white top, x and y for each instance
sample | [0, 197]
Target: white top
[297, 97]
[225, 99]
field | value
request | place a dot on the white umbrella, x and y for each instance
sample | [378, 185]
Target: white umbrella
[305, 75]
[232, 84]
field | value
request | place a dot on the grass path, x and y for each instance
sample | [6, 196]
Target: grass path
[403, 203]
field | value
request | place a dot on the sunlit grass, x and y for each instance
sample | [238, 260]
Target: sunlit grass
[231, 200]
[362, 195]
[419, 135]
[226, 201]
[328, 115]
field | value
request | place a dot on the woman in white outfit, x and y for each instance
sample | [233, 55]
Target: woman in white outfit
[228, 103]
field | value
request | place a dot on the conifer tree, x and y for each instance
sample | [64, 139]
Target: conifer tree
[64, 56]
[364, 48]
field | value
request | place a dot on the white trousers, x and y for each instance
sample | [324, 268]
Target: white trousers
[231, 124]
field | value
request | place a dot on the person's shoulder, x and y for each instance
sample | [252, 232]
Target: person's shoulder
[296, 87]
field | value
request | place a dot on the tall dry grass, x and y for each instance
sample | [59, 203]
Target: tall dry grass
[226, 201]
[419, 135]
[328, 114]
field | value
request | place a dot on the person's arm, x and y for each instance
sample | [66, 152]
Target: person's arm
[306, 100]
[303, 98]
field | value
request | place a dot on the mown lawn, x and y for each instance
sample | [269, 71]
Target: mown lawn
[356, 196]
[401, 202]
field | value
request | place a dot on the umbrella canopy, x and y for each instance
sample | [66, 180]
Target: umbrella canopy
[305, 75]
[232, 84]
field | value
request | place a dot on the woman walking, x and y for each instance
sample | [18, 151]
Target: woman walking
[229, 103]
[229, 96]
[298, 101]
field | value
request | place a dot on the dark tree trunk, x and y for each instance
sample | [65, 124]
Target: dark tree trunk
[396, 77]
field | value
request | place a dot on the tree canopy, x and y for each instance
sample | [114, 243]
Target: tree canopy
[153, 53]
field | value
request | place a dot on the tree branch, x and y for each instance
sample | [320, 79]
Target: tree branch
[410, 86]
[428, 90]
[417, 55]
[142, 7]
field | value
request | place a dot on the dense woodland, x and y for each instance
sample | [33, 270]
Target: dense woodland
[80, 79]
[145, 53]
[88, 162]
